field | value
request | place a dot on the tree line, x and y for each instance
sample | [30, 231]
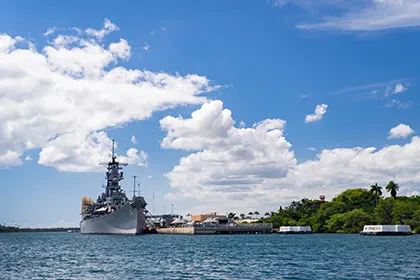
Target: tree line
[349, 211]
[7, 228]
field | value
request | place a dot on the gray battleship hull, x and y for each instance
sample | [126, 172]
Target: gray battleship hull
[126, 220]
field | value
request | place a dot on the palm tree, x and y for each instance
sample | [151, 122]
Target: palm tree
[377, 190]
[267, 214]
[392, 188]
[231, 215]
[257, 213]
[250, 214]
[242, 216]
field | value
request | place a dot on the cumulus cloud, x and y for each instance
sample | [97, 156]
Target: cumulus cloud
[399, 88]
[400, 131]
[121, 49]
[133, 140]
[62, 41]
[72, 90]
[28, 158]
[7, 43]
[77, 152]
[355, 15]
[229, 160]
[209, 125]
[101, 33]
[337, 169]
[320, 111]
[135, 156]
[255, 168]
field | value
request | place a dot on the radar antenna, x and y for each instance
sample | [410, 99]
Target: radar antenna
[113, 156]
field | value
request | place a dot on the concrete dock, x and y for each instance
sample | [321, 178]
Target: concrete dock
[219, 229]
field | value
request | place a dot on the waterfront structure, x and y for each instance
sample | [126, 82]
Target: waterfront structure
[219, 225]
[202, 217]
[178, 222]
[113, 212]
[248, 220]
[295, 230]
[386, 230]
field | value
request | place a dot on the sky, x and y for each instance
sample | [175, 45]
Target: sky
[217, 106]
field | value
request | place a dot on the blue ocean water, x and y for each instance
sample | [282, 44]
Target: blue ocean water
[316, 256]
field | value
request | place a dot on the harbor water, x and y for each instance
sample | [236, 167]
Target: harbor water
[315, 256]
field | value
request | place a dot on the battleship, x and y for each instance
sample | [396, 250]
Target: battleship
[113, 212]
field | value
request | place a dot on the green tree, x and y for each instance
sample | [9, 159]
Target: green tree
[242, 216]
[256, 213]
[326, 210]
[357, 199]
[377, 190]
[349, 222]
[392, 188]
[403, 212]
[384, 211]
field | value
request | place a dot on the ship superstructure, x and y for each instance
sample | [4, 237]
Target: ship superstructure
[113, 212]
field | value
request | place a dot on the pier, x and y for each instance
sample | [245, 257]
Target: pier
[219, 229]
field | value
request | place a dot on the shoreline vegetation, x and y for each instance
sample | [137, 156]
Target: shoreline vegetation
[5, 228]
[350, 210]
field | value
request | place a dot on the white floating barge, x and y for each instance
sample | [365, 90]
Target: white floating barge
[295, 230]
[386, 230]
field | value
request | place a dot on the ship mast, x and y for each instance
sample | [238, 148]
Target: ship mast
[114, 193]
[134, 187]
[113, 155]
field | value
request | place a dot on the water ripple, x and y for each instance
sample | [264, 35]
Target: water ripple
[316, 256]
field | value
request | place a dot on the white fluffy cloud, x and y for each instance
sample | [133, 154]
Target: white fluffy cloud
[320, 111]
[337, 169]
[72, 90]
[133, 140]
[399, 88]
[101, 33]
[209, 125]
[400, 131]
[368, 15]
[235, 162]
[255, 168]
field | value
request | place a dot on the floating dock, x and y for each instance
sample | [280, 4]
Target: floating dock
[386, 230]
[219, 229]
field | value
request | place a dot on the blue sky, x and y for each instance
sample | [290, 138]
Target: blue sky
[251, 72]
